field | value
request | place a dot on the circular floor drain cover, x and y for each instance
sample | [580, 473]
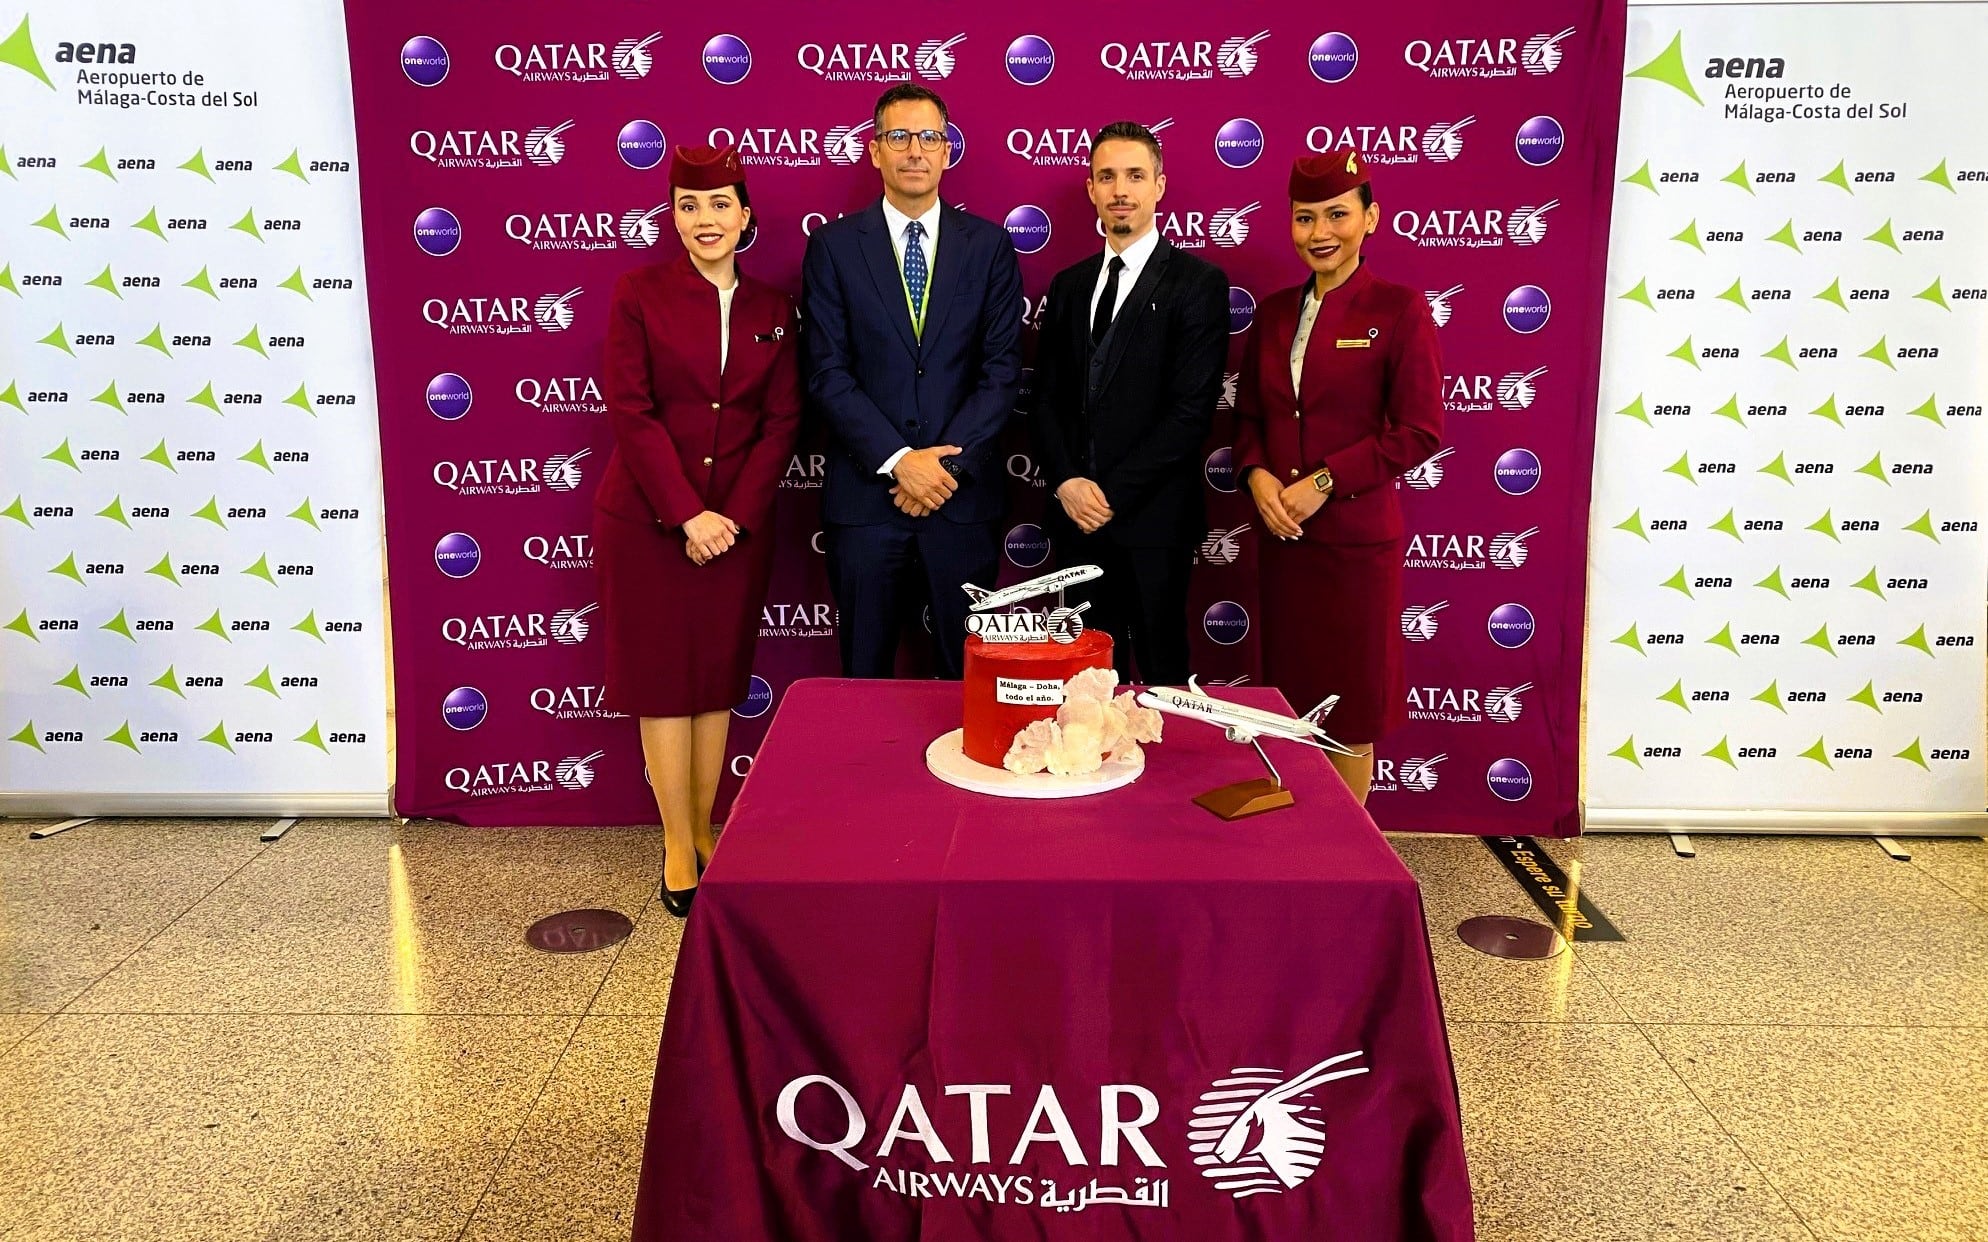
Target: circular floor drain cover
[579, 931]
[1502, 935]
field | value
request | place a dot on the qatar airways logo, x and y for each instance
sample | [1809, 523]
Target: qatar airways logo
[1441, 304]
[512, 631]
[1514, 391]
[934, 60]
[573, 703]
[524, 776]
[1420, 622]
[544, 146]
[506, 476]
[573, 551]
[1223, 547]
[1438, 143]
[1467, 704]
[1472, 228]
[1488, 58]
[1428, 476]
[786, 620]
[637, 229]
[795, 146]
[1225, 228]
[502, 316]
[1418, 775]
[1466, 552]
[1062, 145]
[630, 60]
[561, 394]
[1165, 60]
[1258, 1129]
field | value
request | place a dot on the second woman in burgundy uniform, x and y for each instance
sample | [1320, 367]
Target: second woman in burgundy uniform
[1341, 395]
[704, 397]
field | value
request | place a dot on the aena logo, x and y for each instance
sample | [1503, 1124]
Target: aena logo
[1419, 622]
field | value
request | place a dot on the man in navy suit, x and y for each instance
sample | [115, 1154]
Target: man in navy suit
[912, 313]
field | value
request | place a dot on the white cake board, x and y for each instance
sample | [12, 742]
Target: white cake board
[946, 757]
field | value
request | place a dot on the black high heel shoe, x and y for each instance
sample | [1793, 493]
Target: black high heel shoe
[677, 901]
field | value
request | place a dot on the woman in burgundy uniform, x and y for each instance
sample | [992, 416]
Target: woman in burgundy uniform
[704, 397]
[1341, 395]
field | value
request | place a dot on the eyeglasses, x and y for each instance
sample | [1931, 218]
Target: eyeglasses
[900, 139]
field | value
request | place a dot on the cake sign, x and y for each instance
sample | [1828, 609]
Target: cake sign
[1028, 625]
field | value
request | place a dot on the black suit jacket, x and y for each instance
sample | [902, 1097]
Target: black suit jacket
[1137, 432]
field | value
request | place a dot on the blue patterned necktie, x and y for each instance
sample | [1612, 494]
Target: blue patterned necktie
[914, 273]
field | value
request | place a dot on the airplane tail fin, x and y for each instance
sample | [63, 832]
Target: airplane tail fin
[1318, 714]
[974, 594]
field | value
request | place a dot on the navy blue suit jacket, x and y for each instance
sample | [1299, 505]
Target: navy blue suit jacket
[881, 387]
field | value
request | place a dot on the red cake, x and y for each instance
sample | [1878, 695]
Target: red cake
[1008, 685]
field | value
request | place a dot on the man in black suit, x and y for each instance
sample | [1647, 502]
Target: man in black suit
[1127, 375]
[910, 337]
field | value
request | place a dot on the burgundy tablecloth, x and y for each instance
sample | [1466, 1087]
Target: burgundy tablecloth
[869, 938]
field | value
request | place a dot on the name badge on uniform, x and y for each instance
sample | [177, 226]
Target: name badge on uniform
[1366, 342]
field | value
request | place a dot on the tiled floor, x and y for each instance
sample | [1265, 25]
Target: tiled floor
[342, 1036]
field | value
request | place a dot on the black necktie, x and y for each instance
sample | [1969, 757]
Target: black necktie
[1108, 302]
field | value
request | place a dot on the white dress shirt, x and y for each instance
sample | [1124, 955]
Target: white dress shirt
[725, 326]
[1307, 316]
[929, 243]
[1135, 256]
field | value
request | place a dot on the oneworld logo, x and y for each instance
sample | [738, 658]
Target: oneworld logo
[1030, 60]
[1239, 143]
[1226, 622]
[1027, 546]
[1510, 626]
[1487, 58]
[727, 59]
[1540, 141]
[1333, 57]
[424, 60]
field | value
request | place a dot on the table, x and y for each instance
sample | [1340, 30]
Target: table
[904, 1011]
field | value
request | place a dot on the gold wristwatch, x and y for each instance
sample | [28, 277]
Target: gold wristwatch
[1322, 480]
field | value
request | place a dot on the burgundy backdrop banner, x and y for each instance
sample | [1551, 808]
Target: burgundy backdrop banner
[513, 162]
